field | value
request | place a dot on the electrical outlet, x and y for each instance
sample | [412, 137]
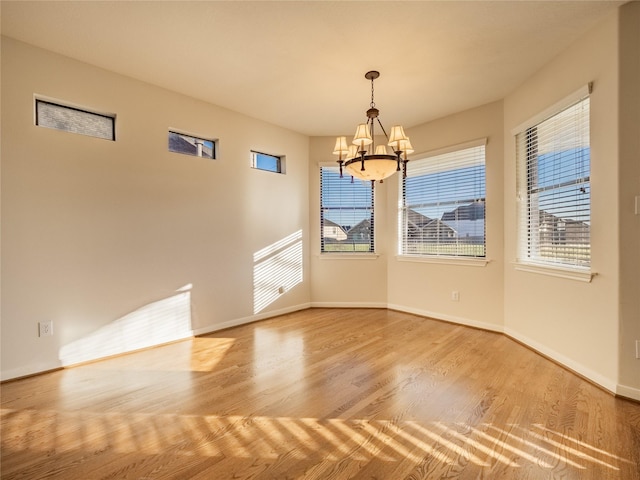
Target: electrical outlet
[455, 296]
[45, 329]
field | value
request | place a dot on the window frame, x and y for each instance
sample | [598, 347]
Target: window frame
[350, 254]
[440, 258]
[68, 106]
[525, 154]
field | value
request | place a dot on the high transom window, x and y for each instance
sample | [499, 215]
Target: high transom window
[191, 145]
[267, 162]
[75, 120]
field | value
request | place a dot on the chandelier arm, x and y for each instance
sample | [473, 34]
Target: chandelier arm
[382, 127]
[373, 135]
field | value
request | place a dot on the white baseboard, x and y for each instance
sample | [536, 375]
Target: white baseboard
[29, 370]
[595, 377]
[628, 392]
[45, 367]
[448, 318]
[605, 382]
[571, 364]
[252, 318]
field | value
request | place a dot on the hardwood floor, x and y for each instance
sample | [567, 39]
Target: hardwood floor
[321, 394]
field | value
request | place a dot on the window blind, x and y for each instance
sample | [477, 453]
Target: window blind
[442, 210]
[554, 193]
[346, 213]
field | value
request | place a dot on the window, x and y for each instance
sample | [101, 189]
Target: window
[554, 191]
[75, 120]
[191, 145]
[269, 163]
[346, 213]
[442, 209]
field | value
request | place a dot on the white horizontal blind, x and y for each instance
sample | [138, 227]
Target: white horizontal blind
[346, 213]
[554, 192]
[74, 120]
[442, 210]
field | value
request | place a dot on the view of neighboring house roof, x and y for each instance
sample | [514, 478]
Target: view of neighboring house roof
[416, 219]
[470, 211]
[187, 145]
[549, 218]
[360, 231]
[421, 226]
[328, 223]
[179, 144]
[331, 230]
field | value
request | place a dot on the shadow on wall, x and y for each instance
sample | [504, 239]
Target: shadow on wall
[277, 268]
[159, 322]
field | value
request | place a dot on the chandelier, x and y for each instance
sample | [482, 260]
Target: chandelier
[364, 159]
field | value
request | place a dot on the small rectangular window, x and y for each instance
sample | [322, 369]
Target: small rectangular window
[75, 120]
[191, 145]
[269, 163]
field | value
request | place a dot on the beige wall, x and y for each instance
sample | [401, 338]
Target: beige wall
[629, 190]
[93, 230]
[345, 280]
[572, 321]
[425, 288]
[384, 281]
[589, 327]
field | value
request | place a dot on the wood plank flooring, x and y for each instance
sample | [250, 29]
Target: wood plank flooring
[321, 394]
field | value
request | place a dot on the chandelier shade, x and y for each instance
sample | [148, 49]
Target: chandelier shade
[381, 150]
[341, 147]
[362, 137]
[397, 137]
[364, 159]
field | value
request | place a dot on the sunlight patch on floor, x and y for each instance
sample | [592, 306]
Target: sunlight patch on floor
[271, 437]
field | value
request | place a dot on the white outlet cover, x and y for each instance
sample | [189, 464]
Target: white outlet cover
[45, 329]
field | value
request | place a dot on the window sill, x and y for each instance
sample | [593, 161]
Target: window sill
[348, 256]
[567, 273]
[467, 262]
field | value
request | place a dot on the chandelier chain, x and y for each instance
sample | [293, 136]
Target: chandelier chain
[373, 104]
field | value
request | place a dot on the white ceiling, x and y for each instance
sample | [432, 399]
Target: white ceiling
[301, 64]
